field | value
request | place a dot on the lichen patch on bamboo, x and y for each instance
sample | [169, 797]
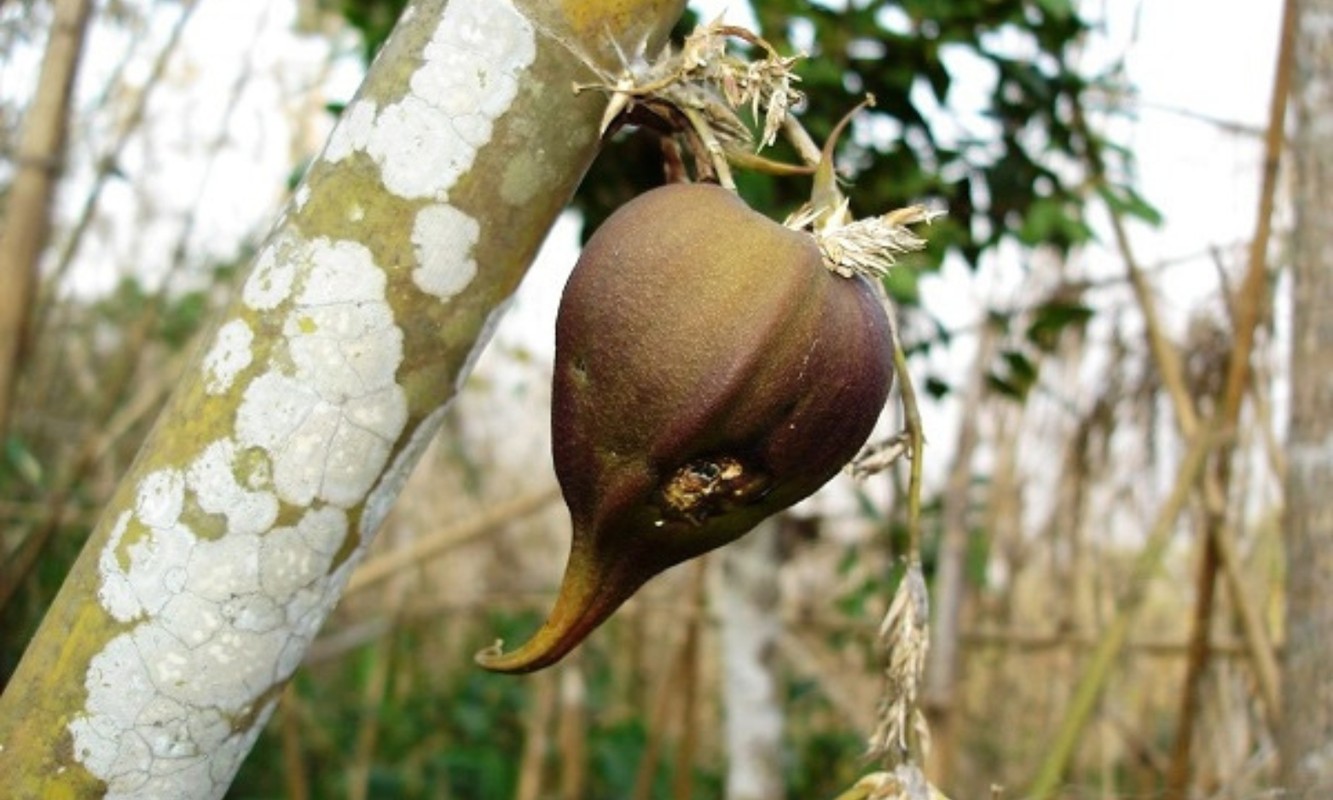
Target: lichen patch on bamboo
[469, 76]
[219, 622]
[221, 589]
[229, 355]
[442, 240]
[270, 281]
[330, 425]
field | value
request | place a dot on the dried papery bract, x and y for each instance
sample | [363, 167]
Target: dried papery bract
[901, 729]
[700, 89]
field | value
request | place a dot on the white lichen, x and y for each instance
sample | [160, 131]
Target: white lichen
[426, 141]
[229, 355]
[330, 426]
[219, 620]
[442, 240]
[270, 281]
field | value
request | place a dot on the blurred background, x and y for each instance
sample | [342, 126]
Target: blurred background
[1101, 169]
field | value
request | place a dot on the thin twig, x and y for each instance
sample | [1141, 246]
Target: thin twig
[432, 545]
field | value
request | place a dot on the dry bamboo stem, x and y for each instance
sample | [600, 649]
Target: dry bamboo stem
[537, 739]
[942, 668]
[1098, 669]
[1219, 546]
[573, 732]
[658, 715]
[688, 744]
[372, 701]
[293, 755]
[1196, 660]
[27, 219]
[1168, 364]
[108, 165]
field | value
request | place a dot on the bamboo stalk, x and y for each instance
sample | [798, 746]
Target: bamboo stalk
[657, 719]
[27, 220]
[942, 668]
[1095, 675]
[1196, 660]
[293, 757]
[1167, 359]
[372, 704]
[688, 740]
[573, 732]
[537, 739]
[107, 166]
[1219, 550]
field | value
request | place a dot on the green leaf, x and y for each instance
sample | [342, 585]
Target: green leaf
[936, 387]
[1051, 318]
[1126, 201]
[1060, 9]
[1014, 377]
[1055, 222]
[23, 462]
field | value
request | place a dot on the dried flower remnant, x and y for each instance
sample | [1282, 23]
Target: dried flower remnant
[701, 87]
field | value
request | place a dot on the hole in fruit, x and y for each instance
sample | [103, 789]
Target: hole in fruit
[707, 487]
[579, 370]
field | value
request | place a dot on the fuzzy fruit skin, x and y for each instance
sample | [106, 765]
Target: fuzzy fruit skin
[709, 372]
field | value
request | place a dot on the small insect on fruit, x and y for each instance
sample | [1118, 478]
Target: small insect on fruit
[709, 372]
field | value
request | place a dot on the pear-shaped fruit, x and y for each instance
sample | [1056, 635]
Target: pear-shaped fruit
[709, 372]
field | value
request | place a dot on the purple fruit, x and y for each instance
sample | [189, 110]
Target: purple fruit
[709, 372]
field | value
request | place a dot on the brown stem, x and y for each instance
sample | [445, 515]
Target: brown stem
[1197, 657]
[573, 732]
[665, 694]
[27, 221]
[688, 744]
[1248, 304]
[293, 751]
[1097, 671]
[107, 167]
[435, 544]
[536, 739]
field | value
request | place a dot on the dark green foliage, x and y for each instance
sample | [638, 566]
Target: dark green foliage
[822, 756]
[373, 18]
[1050, 319]
[1014, 376]
[896, 51]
